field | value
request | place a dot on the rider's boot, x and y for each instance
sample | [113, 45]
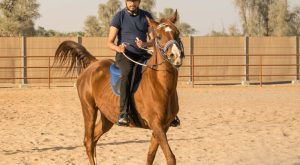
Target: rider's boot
[123, 119]
[175, 122]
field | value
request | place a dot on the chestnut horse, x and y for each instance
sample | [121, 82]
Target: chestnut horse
[155, 99]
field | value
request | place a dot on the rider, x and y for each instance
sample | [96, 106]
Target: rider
[131, 27]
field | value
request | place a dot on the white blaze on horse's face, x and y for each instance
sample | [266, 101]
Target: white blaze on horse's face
[176, 56]
[168, 29]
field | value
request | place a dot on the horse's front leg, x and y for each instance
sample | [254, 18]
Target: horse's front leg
[152, 150]
[160, 135]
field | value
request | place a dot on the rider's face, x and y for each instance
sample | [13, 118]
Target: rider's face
[132, 5]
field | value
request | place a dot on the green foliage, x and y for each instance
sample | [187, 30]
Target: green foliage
[294, 19]
[99, 26]
[278, 16]
[148, 5]
[92, 27]
[106, 13]
[217, 33]
[267, 17]
[167, 12]
[232, 30]
[42, 32]
[17, 17]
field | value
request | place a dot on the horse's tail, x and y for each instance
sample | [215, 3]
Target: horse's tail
[74, 55]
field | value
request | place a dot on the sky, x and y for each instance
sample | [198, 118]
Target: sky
[202, 15]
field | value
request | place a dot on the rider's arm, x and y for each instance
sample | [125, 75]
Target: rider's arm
[113, 31]
[148, 43]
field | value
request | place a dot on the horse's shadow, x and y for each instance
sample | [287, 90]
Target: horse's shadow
[59, 148]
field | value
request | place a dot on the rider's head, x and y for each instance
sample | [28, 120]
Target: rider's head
[132, 6]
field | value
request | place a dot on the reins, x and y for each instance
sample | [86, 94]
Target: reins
[162, 50]
[149, 66]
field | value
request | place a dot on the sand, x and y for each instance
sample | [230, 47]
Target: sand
[222, 125]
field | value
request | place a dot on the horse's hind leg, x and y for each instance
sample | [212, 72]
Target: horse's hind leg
[101, 128]
[90, 116]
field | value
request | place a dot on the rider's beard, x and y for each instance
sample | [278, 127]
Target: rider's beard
[132, 9]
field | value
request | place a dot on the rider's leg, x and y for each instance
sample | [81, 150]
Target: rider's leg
[126, 72]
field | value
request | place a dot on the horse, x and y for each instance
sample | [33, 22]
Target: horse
[155, 98]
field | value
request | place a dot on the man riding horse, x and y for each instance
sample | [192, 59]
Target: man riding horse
[131, 27]
[155, 100]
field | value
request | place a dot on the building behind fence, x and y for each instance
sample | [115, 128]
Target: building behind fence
[209, 60]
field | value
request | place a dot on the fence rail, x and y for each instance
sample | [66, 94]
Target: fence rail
[191, 76]
[209, 60]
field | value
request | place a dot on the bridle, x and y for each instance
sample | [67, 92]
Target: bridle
[162, 49]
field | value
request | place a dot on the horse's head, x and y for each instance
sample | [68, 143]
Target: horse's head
[167, 40]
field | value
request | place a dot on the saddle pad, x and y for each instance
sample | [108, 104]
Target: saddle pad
[115, 74]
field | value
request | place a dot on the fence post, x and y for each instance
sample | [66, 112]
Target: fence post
[191, 59]
[297, 61]
[246, 67]
[79, 39]
[49, 73]
[261, 70]
[24, 61]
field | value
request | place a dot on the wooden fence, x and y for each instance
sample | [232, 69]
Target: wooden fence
[209, 60]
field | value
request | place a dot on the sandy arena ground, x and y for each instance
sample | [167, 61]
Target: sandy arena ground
[228, 125]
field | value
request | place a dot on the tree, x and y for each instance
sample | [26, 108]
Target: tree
[267, 17]
[99, 26]
[148, 5]
[294, 19]
[41, 31]
[233, 30]
[106, 13]
[92, 27]
[278, 16]
[17, 17]
[184, 28]
[254, 16]
[108, 10]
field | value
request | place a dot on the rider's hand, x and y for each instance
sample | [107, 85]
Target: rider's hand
[139, 43]
[121, 48]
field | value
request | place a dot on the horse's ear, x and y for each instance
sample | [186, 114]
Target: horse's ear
[174, 18]
[152, 23]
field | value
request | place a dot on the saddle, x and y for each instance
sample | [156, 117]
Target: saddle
[115, 74]
[115, 80]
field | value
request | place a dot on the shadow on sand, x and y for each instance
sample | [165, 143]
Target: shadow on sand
[59, 148]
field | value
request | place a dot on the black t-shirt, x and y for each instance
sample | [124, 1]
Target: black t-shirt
[131, 27]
